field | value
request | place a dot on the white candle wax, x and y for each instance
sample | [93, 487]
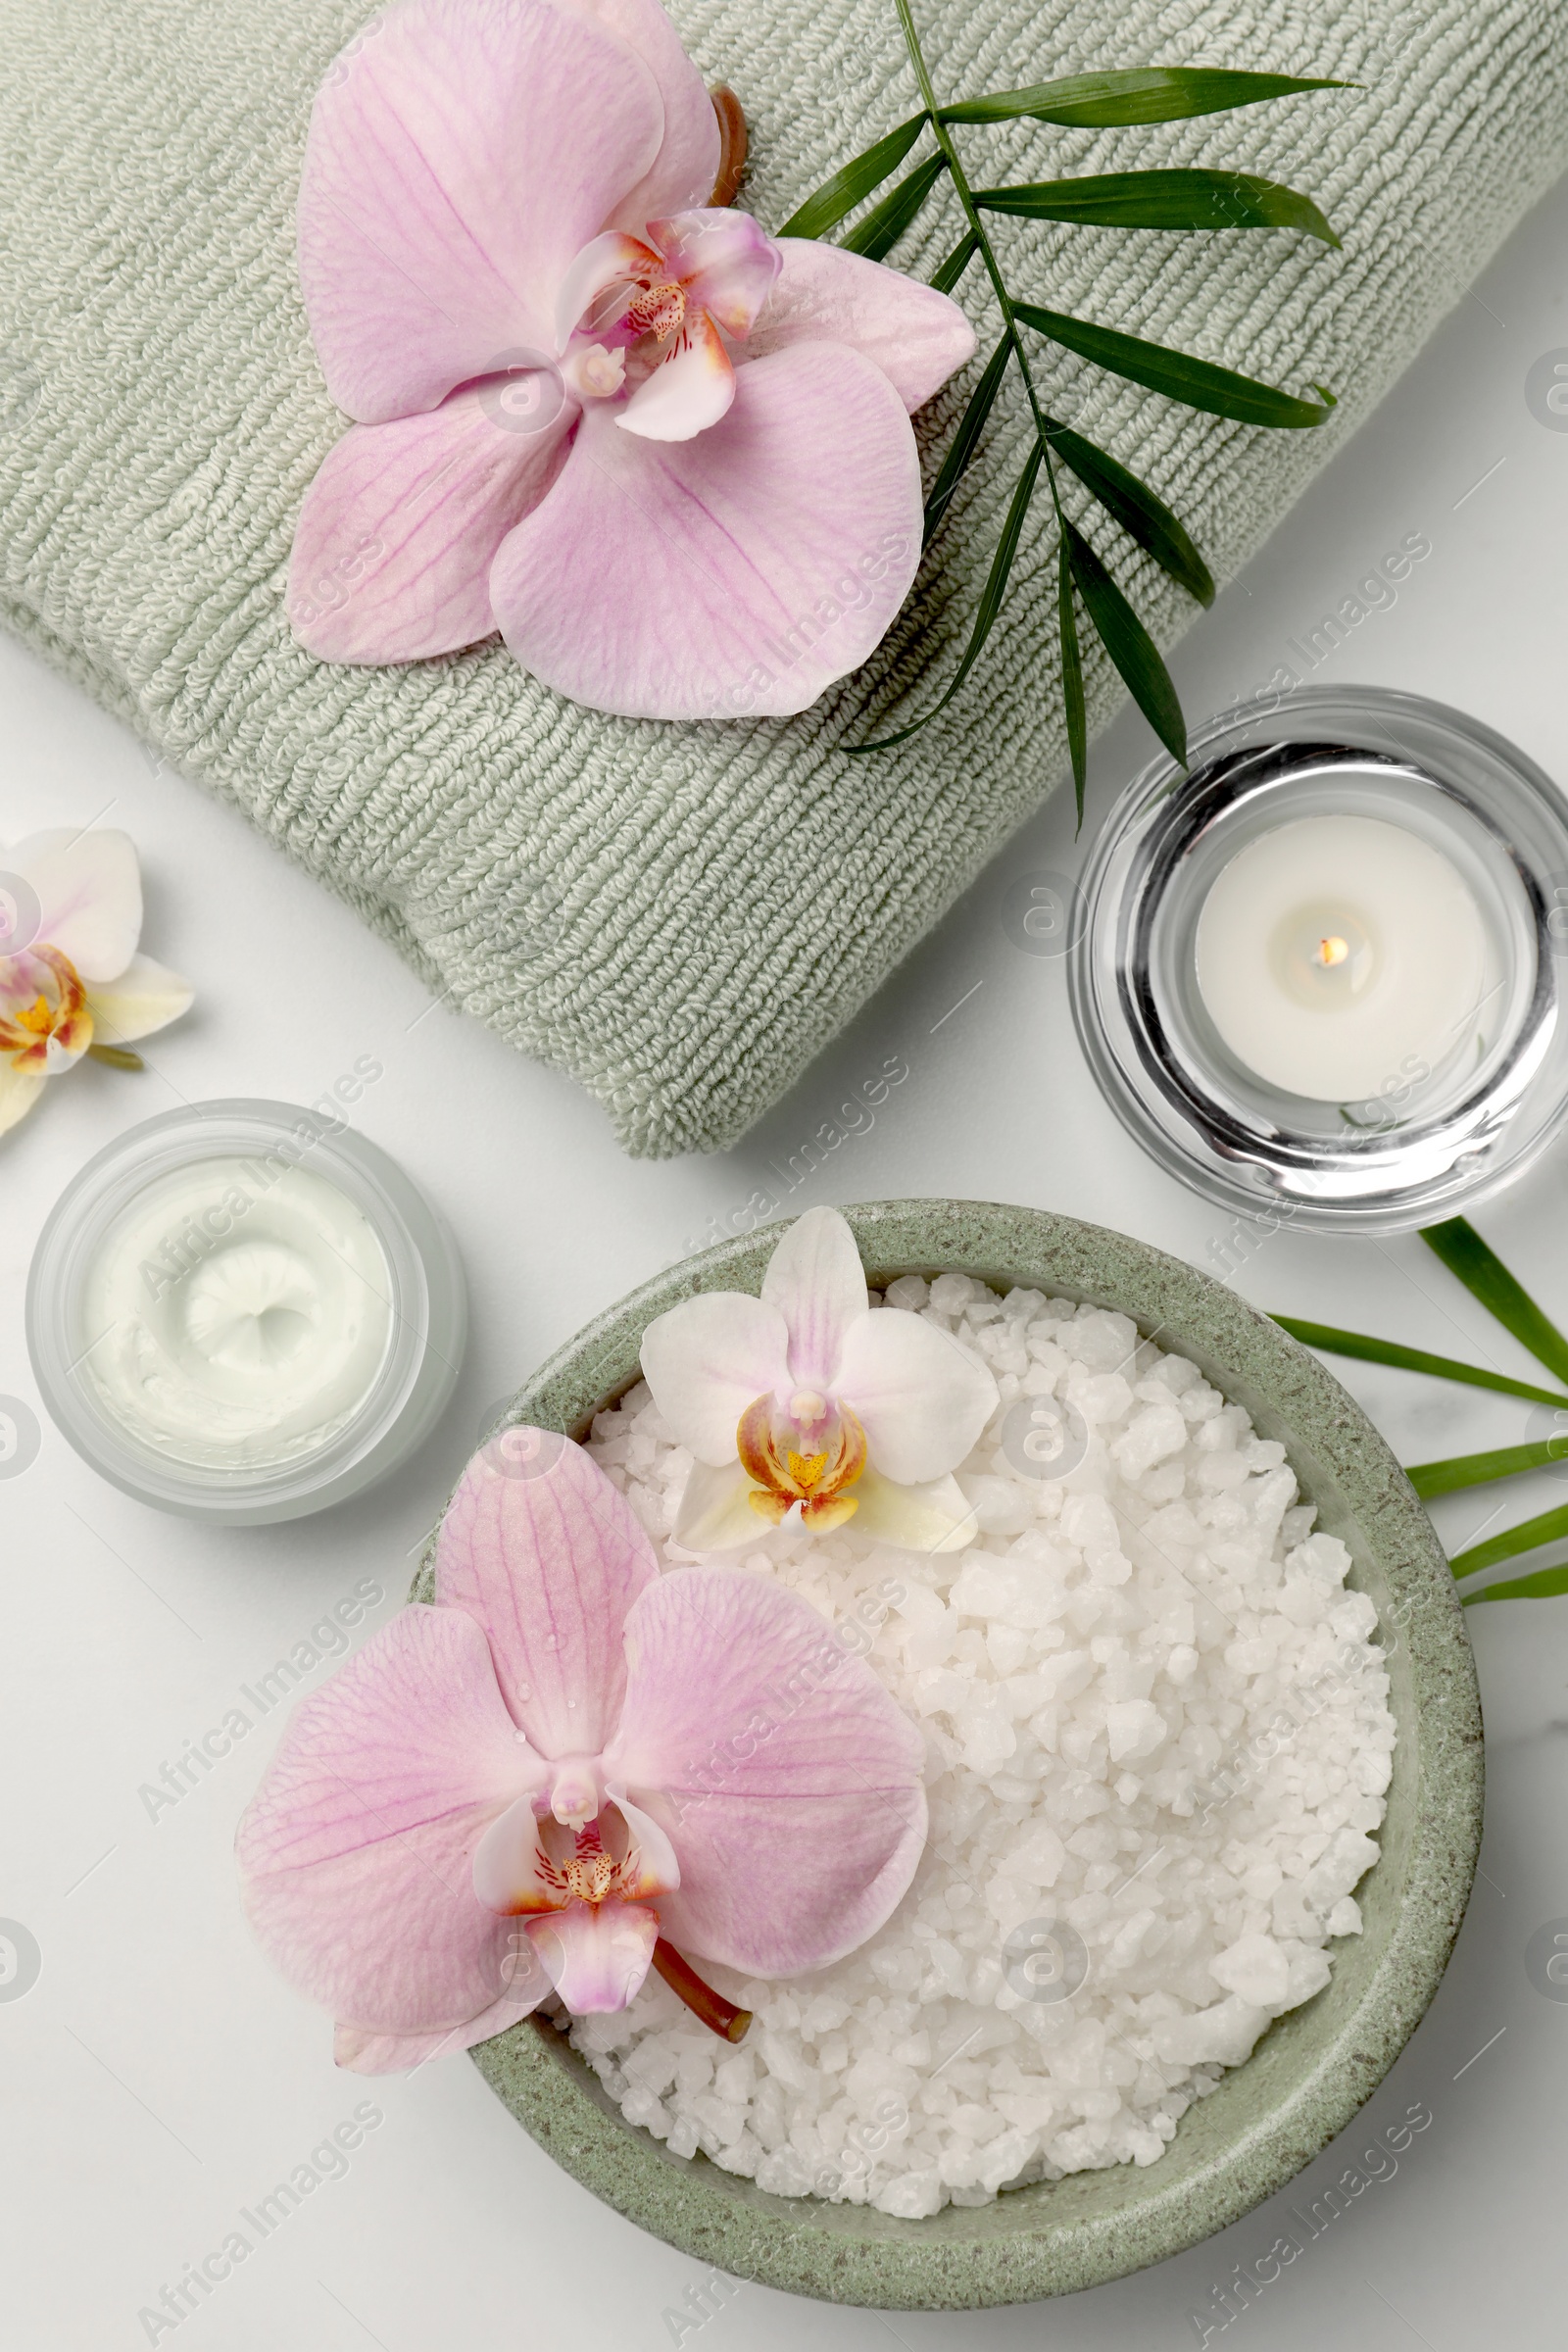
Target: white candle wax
[1337, 954]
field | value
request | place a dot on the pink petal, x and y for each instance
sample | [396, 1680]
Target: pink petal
[612, 261]
[708, 1359]
[595, 1956]
[715, 1512]
[725, 260]
[356, 1853]
[363, 2052]
[921, 1397]
[816, 1280]
[791, 1781]
[549, 1558]
[87, 888]
[507, 1864]
[932, 1516]
[915, 336]
[657, 1870]
[686, 393]
[458, 157]
[686, 166]
[394, 544]
[735, 574]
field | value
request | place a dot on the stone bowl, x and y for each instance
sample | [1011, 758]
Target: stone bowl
[1315, 2066]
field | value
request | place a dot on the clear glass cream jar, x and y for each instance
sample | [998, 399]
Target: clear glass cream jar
[243, 1311]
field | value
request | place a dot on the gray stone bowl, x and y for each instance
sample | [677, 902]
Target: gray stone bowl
[1313, 2067]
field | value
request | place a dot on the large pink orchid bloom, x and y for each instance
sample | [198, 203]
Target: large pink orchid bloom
[666, 456]
[804, 1405]
[570, 1739]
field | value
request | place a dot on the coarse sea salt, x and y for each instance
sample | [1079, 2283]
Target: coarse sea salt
[1158, 1744]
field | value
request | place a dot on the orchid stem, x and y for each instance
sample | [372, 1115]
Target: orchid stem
[116, 1056]
[721, 2016]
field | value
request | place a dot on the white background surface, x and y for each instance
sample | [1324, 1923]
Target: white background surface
[157, 2077]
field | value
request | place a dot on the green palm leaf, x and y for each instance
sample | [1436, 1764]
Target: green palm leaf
[1548, 1527]
[837, 197]
[884, 223]
[1163, 200]
[1482, 1273]
[1462, 1470]
[1334, 1341]
[947, 273]
[995, 588]
[1146, 94]
[966, 440]
[1202, 385]
[1487, 1278]
[1144, 517]
[1541, 1586]
[1128, 643]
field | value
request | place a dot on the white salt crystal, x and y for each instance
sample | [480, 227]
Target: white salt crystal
[1001, 1505]
[1344, 1863]
[1167, 1608]
[1134, 1729]
[1309, 1972]
[1151, 1436]
[1256, 1968]
[1089, 1521]
[1101, 1339]
[1219, 2037]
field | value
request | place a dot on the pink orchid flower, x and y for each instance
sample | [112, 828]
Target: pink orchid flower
[804, 1405]
[667, 456]
[569, 1739]
[72, 981]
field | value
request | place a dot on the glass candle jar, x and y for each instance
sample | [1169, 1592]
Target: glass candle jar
[244, 1312]
[1321, 970]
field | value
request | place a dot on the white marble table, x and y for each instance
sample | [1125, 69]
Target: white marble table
[157, 2077]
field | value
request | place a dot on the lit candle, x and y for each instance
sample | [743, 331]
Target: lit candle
[1337, 954]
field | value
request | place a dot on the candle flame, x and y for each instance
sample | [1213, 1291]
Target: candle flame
[1331, 951]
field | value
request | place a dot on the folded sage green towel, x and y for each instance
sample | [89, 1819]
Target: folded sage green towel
[679, 915]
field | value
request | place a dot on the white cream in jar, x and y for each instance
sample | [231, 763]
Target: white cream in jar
[241, 1311]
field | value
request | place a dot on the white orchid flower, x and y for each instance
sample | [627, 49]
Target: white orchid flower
[805, 1406]
[70, 979]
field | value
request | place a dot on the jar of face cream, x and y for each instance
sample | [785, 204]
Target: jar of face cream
[244, 1312]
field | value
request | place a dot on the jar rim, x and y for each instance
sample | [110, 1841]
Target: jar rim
[418, 1363]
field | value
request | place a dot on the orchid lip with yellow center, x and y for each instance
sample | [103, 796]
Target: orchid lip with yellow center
[657, 311]
[588, 1875]
[802, 1458]
[592, 1877]
[44, 1018]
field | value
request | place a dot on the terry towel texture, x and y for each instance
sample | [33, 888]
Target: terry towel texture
[680, 916]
